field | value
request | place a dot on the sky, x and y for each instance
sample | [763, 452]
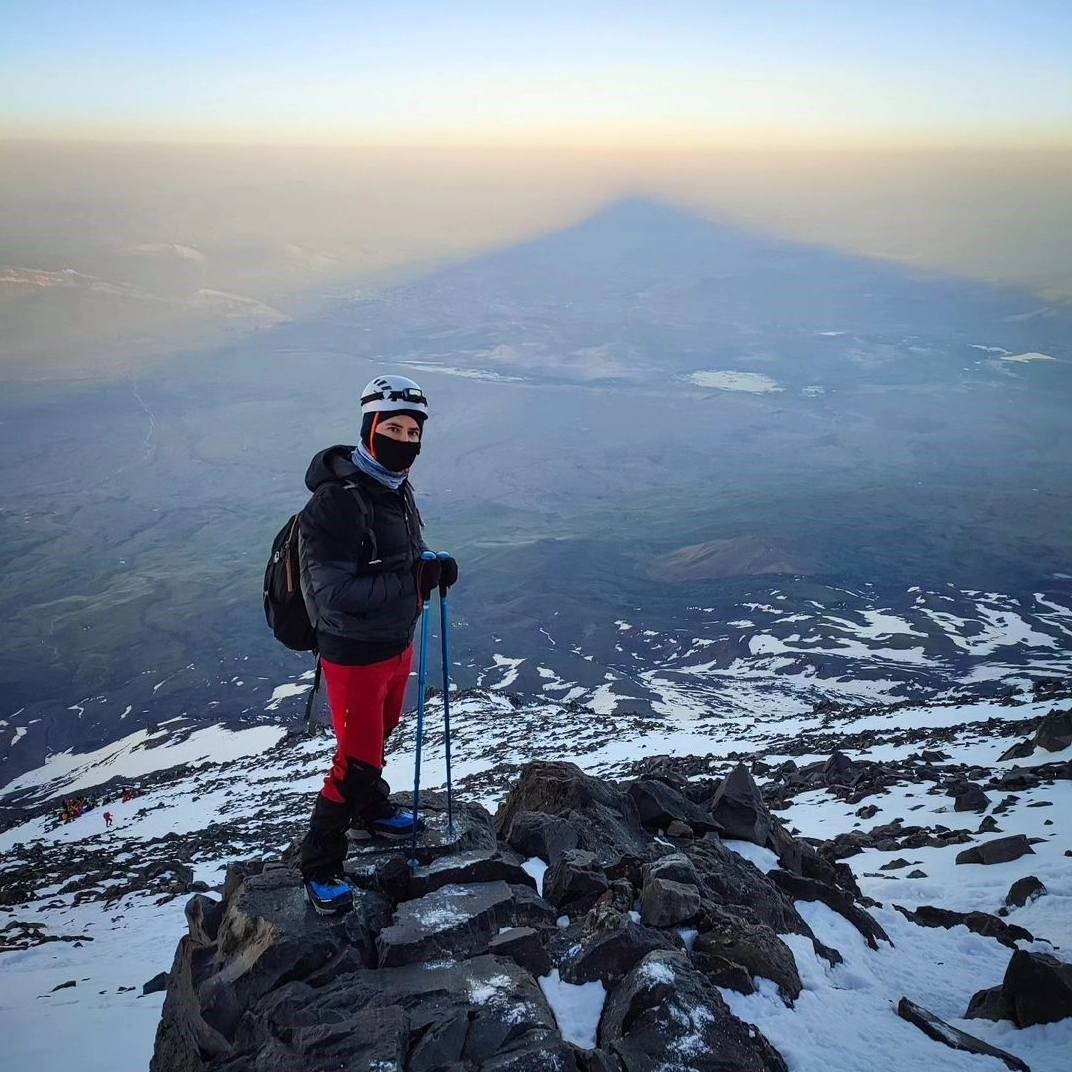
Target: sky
[672, 74]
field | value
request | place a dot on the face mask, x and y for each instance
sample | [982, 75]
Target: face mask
[394, 454]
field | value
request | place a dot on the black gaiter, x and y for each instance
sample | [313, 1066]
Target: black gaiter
[393, 454]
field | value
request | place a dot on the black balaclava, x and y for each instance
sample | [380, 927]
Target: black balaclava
[393, 454]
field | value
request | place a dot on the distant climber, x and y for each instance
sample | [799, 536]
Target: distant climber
[364, 585]
[107, 819]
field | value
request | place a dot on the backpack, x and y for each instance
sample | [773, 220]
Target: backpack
[284, 604]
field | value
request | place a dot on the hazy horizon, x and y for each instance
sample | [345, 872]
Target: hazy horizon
[117, 255]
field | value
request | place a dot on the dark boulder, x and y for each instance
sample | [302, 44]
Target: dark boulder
[1055, 731]
[665, 1014]
[659, 805]
[604, 818]
[478, 865]
[978, 922]
[953, 1037]
[970, 797]
[675, 866]
[575, 881]
[753, 946]
[1039, 987]
[610, 955]
[665, 903]
[522, 945]
[999, 851]
[457, 921]
[463, 1015]
[990, 1004]
[804, 889]
[1023, 891]
[535, 833]
[738, 808]
[157, 983]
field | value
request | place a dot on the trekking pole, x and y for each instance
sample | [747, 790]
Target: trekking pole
[310, 709]
[444, 635]
[422, 680]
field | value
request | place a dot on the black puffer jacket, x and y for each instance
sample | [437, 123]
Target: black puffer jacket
[359, 548]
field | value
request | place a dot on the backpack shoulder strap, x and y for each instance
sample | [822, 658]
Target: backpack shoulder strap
[368, 514]
[411, 503]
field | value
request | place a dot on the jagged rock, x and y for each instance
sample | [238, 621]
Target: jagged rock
[1055, 731]
[990, 1004]
[457, 921]
[605, 818]
[157, 983]
[916, 874]
[664, 1013]
[983, 923]
[868, 811]
[756, 948]
[478, 865]
[610, 955]
[953, 1037]
[738, 808]
[731, 883]
[1039, 988]
[659, 804]
[665, 903]
[722, 972]
[839, 767]
[483, 1013]
[535, 833]
[1023, 891]
[203, 917]
[575, 880]
[1018, 778]
[971, 798]
[386, 875]
[805, 889]
[522, 945]
[895, 865]
[1054, 734]
[675, 866]
[989, 825]
[1000, 851]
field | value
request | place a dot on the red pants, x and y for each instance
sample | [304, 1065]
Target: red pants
[366, 705]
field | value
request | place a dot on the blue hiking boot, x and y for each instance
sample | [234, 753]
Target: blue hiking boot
[331, 896]
[397, 826]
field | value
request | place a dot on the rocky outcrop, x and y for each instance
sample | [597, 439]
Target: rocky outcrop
[1037, 989]
[953, 1037]
[665, 1014]
[999, 851]
[448, 963]
[978, 922]
[1053, 734]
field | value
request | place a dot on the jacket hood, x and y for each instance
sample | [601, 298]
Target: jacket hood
[330, 466]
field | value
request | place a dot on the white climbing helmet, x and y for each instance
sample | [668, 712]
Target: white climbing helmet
[392, 394]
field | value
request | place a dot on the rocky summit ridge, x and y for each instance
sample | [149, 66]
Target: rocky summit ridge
[881, 886]
[587, 927]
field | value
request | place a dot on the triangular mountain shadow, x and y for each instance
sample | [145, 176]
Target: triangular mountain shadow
[640, 241]
[654, 281]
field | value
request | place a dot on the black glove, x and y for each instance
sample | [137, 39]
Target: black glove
[429, 572]
[448, 574]
[435, 573]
